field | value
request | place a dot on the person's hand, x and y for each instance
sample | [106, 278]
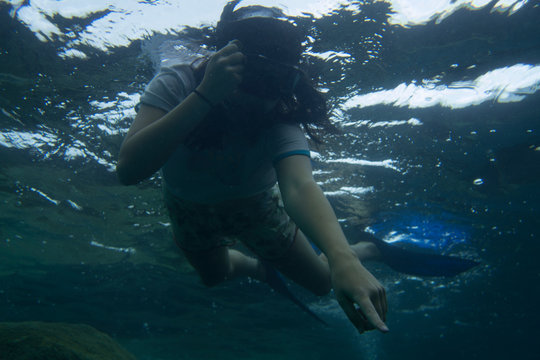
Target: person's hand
[223, 72]
[360, 295]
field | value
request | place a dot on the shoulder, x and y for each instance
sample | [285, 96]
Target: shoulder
[286, 129]
[176, 75]
[286, 139]
[169, 86]
[283, 133]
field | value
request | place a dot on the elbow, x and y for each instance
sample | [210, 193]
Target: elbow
[124, 175]
[126, 167]
[297, 187]
[295, 193]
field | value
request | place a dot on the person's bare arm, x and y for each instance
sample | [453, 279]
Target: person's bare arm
[153, 137]
[155, 134]
[308, 207]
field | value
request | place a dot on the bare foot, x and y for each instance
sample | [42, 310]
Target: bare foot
[366, 251]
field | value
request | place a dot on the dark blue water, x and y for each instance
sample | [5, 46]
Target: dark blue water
[439, 151]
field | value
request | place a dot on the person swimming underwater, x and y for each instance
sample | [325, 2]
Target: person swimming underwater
[228, 134]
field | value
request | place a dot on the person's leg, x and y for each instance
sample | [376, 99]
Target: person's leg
[197, 229]
[365, 250]
[306, 268]
[221, 263]
[275, 238]
[302, 265]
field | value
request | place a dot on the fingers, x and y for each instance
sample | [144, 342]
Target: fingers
[352, 313]
[372, 315]
[237, 72]
[377, 305]
[236, 58]
[224, 72]
[232, 47]
[378, 301]
[365, 325]
[366, 313]
[361, 296]
[384, 303]
[364, 317]
[231, 59]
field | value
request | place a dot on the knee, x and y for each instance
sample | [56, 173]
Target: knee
[212, 267]
[212, 279]
[214, 275]
[321, 289]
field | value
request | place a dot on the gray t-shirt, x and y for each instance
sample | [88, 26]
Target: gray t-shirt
[241, 168]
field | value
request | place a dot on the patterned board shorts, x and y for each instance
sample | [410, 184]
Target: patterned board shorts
[259, 222]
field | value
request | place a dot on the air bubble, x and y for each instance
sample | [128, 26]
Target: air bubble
[478, 182]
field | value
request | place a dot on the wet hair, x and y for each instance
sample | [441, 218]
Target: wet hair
[262, 30]
[270, 33]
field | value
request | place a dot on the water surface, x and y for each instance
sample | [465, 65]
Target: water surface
[439, 149]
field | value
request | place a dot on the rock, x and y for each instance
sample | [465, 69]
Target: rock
[57, 341]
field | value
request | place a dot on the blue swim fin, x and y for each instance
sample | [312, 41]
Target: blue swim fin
[418, 263]
[274, 279]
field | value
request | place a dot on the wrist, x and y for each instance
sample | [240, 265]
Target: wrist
[341, 256]
[203, 98]
[208, 94]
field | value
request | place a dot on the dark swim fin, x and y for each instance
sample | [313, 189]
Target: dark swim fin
[276, 282]
[418, 263]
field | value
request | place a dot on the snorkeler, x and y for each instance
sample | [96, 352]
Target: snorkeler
[224, 130]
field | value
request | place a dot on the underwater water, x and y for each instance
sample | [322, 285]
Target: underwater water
[439, 149]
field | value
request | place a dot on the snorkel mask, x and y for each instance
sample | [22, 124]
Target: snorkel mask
[271, 43]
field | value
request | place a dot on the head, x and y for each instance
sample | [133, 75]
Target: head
[272, 45]
[272, 81]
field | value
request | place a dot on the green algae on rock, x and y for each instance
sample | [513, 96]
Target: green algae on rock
[57, 341]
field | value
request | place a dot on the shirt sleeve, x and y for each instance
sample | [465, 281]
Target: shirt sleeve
[286, 140]
[169, 87]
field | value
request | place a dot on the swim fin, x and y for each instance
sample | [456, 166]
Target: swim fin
[274, 279]
[419, 263]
